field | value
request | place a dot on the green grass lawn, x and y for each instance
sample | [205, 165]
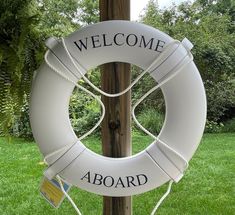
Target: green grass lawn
[208, 187]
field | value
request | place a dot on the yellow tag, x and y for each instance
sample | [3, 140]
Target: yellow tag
[51, 191]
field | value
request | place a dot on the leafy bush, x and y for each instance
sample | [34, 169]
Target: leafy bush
[220, 98]
[213, 127]
[151, 119]
[21, 127]
[155, 99]
[84, 112]
[229, 126]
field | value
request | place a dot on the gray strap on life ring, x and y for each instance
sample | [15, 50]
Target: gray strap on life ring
[172, 60]
[167, 159]
[65, 160]
[57, 49]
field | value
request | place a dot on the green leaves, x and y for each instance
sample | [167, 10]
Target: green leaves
[57, 18]
[84, 112]
[88, 11]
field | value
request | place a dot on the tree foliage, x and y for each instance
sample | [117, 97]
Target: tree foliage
[57, 17]
[88, 11]
[19, 45]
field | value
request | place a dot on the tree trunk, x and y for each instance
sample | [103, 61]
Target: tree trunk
[116, 126]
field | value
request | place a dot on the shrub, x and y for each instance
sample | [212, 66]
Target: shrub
[154, 100]
[21, 127]
[220, 98]
[213, 127]
[229, 126]
[151, 119]
[84, 112]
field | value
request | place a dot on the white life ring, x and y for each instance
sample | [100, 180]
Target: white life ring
[184, 96]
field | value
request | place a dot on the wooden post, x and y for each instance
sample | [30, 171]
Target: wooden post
[116, 126]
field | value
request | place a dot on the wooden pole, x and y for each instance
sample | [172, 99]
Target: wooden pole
[116, 126]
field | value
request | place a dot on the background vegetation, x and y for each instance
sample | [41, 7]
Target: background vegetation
[25, 24]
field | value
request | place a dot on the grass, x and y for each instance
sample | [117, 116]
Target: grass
[208, 187]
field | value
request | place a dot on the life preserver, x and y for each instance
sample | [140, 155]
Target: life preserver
[184, 96]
